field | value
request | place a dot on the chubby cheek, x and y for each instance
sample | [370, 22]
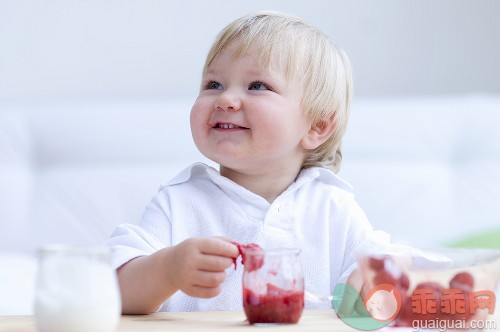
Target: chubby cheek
[198, 122]
[274, 139]
[280, 129]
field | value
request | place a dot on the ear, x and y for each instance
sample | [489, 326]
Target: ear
[319, 132]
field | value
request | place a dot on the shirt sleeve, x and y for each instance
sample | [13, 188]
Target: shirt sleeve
[361, 238]
[153, 233]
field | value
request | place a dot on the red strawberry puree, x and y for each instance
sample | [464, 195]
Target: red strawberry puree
[277, 305]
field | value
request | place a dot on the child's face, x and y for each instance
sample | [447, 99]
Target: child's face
[247, 117]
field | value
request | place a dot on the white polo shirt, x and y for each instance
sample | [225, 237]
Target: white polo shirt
[317, 214]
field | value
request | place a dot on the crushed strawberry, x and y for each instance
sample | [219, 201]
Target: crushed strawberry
[257, 256]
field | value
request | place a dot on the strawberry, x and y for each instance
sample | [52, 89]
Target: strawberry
[465, 313]
[388, 272]
[375, 263]
[465, 282]
[434, 289]
[384, 277]
[403, 283]
[462, 280]
[257, 256]
[405, 315]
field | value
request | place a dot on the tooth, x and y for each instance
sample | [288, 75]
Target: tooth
[226, 125]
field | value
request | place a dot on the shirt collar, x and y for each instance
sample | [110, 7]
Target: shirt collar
[253, 204]
[187, 173]
[306, 175]
[326, 176]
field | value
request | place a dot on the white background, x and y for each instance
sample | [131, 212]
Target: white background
[117, 49]
[78, 78]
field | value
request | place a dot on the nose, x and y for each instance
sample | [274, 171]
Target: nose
[228, 101]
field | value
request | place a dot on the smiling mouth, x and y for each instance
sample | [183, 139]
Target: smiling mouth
[224, 125]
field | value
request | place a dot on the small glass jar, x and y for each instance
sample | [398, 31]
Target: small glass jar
[76, 290]
[273, 293]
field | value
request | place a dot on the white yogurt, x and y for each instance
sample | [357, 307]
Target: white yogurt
[76, 290]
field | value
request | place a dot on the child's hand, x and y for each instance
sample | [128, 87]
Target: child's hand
[198, 265]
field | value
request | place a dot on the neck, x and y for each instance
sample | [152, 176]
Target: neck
[268, 185]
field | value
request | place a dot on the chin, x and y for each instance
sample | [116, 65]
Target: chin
[237, 166]
[228, 159]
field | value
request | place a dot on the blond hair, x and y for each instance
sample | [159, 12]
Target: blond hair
[309, 61]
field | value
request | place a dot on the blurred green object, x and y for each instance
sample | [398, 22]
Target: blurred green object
[490, 239]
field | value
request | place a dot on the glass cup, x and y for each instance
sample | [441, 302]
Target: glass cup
[76, 290]
[273, 286]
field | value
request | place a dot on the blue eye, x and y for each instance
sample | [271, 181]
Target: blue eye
[212, 85]
[258, 86]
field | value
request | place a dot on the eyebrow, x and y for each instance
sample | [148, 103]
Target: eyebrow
[258, 72]
[209, 71]
[250, 72]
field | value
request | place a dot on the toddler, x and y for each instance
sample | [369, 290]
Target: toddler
[272, 110]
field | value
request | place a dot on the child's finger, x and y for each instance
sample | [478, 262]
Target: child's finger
[202, 292]
[214, 263]
[224, 238]
[208, 279]
[219, 247]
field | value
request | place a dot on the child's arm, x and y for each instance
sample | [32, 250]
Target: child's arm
[195, 266]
